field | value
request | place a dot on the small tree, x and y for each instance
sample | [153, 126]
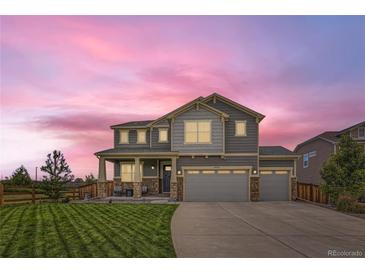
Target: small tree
[90, 179]
[78, 181]
[345, 170]
[58, 174]
[20, 176]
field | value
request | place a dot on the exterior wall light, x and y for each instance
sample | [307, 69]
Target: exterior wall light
[254, 171]
[152, 167]
[179, 172]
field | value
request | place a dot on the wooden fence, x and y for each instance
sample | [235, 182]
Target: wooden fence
[310, 192]
[10, 194]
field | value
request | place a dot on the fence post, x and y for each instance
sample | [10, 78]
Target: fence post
[1, 194]
[33, 194]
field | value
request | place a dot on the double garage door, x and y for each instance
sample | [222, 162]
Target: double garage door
[216, 185]
[233, 185]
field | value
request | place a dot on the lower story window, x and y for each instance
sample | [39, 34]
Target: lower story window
[127, 172]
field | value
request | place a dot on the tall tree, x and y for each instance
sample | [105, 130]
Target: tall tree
[58, 174]
[345, 170]
[20, 176]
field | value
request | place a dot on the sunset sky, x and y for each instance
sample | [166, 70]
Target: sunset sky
[65, 80]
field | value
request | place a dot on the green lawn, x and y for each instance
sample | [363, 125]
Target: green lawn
[86, 230]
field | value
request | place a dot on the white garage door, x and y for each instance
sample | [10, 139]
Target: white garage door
[274, 185]
[216, 185]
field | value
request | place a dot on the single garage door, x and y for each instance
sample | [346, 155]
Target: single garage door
[274, 185]
[216, 185]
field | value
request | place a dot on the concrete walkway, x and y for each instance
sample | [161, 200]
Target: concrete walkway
[264, 229]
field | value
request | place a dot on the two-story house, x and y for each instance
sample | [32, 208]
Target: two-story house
[315, 151]
[205, 150]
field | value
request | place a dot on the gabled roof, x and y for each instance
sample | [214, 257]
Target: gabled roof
[201, 102]
[133, 124]
[198, 101]
[234, 104]
[328, 136]
[274, 150]
[351, 128]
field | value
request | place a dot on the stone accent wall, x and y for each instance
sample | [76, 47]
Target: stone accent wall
[254, 188]
[294, 188]
[152, 185]
[180, 188]
[137, 190]
[173, 190]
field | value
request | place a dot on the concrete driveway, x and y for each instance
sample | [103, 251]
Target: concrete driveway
[264, 229]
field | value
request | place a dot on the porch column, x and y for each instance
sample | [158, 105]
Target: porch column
[137, 183]
[102, 178]
[173, 180]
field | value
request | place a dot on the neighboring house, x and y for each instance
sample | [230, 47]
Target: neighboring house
[205, 150]
[315, 151]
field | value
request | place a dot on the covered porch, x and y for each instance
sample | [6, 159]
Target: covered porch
[156, 175]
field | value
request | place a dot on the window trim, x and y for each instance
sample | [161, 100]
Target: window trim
[305, 155]
[235, 128]
[197, 141]
[167, 135]
[358, 133]
[120, 136]
[145, 136]
[132, 174]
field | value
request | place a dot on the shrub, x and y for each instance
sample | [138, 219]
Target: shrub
[345, 203]
[20, 177]
[344, 172]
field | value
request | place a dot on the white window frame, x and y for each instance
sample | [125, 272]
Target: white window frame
[131, 180]
[245, 128]
[197, 132]
[311, 154]
[140, 131]
[358, 133]
[167, 135]
[120, 136]
[305, 160]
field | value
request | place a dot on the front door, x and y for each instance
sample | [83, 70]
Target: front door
[166, 178]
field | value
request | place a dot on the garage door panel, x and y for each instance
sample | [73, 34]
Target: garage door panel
[274, 186]
[216, 187]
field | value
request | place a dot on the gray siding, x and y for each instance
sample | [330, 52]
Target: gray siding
[276, 163]
[311, 174]
[132, 139]
[247, 143]
[201, 114]
[216, 161]
[156, 144]
[147, 167]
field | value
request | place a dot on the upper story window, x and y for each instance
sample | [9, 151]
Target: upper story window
[141, 136]
[306, 160]
[361, 131]
[163, 135]
[124, 136]
[197, 132]
[312, 154]
[240, 129]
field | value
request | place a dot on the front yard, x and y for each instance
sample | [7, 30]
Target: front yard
[86, 230]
